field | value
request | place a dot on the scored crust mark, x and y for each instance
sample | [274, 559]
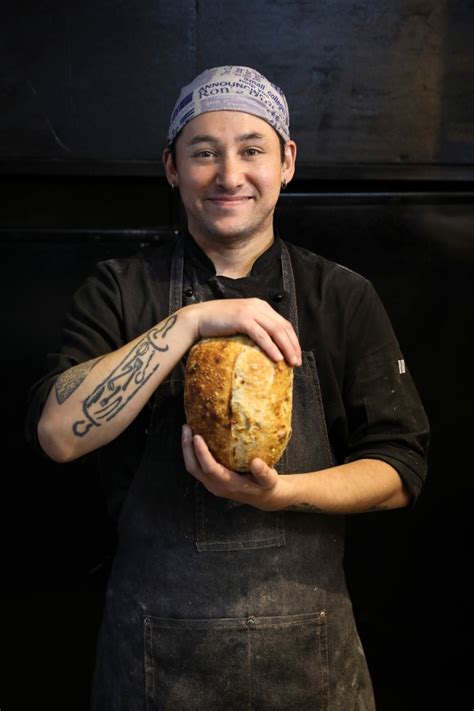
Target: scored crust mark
[208, 390]
[253, 380]
[239, 400]
[69, 381]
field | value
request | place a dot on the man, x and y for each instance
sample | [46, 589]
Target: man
[227, 590]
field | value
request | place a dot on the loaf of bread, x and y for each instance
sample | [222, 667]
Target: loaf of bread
[239, 400]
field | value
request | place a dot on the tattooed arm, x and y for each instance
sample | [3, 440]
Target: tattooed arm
[355, 487]
[92, 403]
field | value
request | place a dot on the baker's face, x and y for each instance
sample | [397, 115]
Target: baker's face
[229, 172]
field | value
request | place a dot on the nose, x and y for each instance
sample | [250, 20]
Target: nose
[230, 176]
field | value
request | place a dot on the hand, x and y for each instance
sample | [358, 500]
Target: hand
[252, 317]
[262, 487]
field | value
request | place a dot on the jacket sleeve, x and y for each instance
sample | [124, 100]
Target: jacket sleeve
[386, 419]
[92, 327]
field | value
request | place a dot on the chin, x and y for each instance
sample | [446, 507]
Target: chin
[233, 232]
[221, 232]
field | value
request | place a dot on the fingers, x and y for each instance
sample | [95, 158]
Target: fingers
[206, 461]
[221, 481]
[200, 463]
[254, 318]
[265, 476]
[273, 333]
[190, 460]
[280, 333]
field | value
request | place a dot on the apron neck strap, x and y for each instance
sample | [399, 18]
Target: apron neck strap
[176, 277]
[289, 285]
[177, 272]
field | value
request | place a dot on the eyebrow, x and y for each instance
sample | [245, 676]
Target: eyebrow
[206, 138]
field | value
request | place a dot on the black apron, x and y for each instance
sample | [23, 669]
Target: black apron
[217, 606]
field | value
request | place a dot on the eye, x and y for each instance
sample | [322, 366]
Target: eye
[252, 152]
[203, 154]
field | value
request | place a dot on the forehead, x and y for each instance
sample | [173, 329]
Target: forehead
[227, 125]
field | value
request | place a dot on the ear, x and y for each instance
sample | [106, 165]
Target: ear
[170, 168]
[289, 161]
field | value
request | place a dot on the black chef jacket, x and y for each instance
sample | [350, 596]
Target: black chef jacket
[371, 406]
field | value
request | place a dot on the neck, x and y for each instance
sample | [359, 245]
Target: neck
[234, 259]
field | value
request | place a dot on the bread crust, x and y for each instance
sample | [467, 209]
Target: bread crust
[239, 400]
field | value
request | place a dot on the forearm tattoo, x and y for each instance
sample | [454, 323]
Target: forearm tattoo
[70, 380]
[305, 508]
[309, 508]
[131, 374]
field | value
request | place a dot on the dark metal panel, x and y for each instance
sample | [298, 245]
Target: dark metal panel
[91, 81]
[89, 87]
[457, 115]
[86, 202]
[366, 82]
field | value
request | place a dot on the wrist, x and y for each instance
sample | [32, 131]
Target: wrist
[288, 495]
[189, 318]
[297, 490]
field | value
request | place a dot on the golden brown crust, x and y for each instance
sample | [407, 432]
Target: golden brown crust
[239, 400]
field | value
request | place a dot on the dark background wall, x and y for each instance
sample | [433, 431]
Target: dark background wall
[382, 109]
[90, 86]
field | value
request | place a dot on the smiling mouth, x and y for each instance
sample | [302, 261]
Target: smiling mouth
[229, 200]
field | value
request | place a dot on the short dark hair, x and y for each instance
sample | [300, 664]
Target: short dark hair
[172, 148]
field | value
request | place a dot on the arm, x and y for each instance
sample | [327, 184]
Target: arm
[363, 485]
[92, 403]
[385, 441]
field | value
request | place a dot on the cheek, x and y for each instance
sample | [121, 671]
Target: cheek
[195, 181]
[270, 178]
[271, 187]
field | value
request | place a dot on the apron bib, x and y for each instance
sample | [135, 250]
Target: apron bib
[217, 606]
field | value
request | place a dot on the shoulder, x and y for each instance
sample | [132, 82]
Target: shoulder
[150, 261]
[328, 279]
[131, 291]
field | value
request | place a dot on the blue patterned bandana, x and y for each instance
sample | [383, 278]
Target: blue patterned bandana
[231, 89]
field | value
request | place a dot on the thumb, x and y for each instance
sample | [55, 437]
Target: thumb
[264, 475]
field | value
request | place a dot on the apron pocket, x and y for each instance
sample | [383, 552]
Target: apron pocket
[220, 527]
[237, 664]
